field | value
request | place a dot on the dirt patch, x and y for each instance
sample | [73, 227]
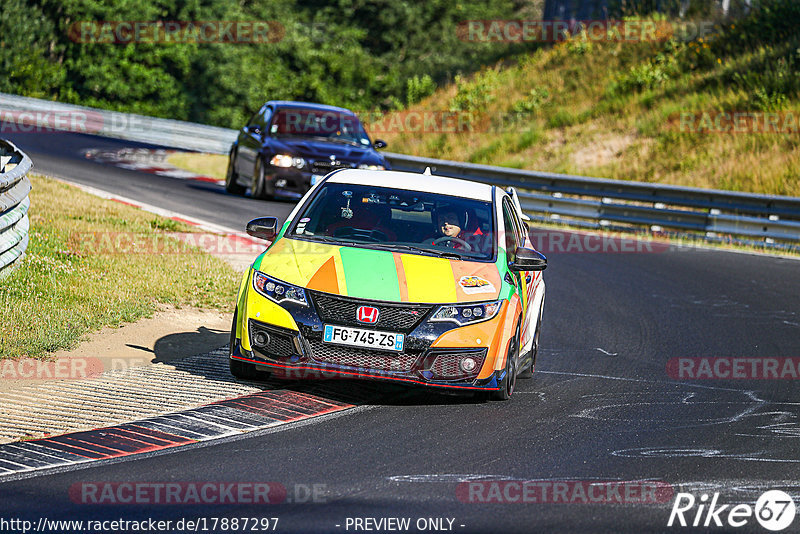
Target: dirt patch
[169, 335]
[601, 151]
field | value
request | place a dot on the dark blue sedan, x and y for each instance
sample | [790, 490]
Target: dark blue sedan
[286, 147]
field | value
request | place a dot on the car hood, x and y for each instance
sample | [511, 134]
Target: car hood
[379, 274]
[315, 149]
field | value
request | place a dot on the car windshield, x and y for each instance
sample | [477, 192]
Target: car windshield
[333, 126]
[397, 219]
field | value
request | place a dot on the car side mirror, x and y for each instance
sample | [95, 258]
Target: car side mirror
[527, 259]
[265, 228]
[379, 143]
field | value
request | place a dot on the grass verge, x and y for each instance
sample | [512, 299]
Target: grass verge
[212, 165]
[93, 263]
[615, 109]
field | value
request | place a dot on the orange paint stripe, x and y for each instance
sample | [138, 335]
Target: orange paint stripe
[401, 277]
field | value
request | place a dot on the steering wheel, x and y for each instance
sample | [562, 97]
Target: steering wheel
[445, 239]
[361, 233]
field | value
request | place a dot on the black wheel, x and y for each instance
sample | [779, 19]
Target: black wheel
[527, 372]
[510, 380]
[245, 371]
[231, 177]
[258, 186]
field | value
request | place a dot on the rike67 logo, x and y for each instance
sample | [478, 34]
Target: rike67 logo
[774, 510]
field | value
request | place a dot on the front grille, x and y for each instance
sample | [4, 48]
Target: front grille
[281, 345]
[361, 358]
[392, 317]
[446, 364]
[324, 167]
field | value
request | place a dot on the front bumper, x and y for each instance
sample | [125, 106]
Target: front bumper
[302, 354]
[290, 182]
[287, 183]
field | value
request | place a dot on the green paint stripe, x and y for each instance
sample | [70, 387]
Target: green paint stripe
[370, 274]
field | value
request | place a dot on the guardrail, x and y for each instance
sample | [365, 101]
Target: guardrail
[30, 114]
[546, 197]
[14, 204]
[601, 203]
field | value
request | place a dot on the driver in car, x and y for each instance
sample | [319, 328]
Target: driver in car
[450, 225]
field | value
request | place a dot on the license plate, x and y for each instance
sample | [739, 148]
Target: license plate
[358, 337]
[316, 178]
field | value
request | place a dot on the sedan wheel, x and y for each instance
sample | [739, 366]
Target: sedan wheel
[258, 186]
[232, 185]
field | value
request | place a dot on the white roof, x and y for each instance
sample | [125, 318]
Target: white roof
[415, 182]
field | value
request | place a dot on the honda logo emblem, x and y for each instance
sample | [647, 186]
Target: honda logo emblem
[367, 314]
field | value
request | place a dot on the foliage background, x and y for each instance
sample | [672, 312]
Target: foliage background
[354, 53]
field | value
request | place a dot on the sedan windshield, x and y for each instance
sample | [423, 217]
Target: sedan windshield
[396, 219]
[332, 126]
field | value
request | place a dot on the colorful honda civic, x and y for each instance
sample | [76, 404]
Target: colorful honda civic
[397, 276]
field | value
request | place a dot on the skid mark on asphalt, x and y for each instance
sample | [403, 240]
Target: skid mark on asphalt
[151, 161]
[674, 406]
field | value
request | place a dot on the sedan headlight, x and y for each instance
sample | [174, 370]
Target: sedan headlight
[286, 161]
[463, 314]
[278, 291]
[372, 167]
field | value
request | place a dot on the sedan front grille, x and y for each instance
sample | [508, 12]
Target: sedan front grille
[324, 167]
[362, 358]
[391, 317]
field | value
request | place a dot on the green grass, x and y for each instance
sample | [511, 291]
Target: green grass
[213, 165]
[73, 281]
[608, 109]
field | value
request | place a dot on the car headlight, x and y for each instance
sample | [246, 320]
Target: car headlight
[286, 161]
[463, 314]
[278, 291]
[372, 167]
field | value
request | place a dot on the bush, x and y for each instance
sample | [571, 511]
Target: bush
[537, 97]
[418, 88]
[474, 95]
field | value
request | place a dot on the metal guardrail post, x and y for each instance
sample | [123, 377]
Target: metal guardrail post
[14, 205]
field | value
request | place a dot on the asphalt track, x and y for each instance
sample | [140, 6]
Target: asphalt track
[601, 406]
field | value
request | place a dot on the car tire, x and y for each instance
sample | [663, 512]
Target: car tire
[232, 185]
[509, 382]
[529, 368]
[258, 186]
[245, 371]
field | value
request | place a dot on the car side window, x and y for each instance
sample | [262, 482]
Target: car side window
[266, 118]
[254, 120]
[510, 230]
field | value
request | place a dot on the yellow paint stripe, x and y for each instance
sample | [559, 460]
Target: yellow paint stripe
[424, 277]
